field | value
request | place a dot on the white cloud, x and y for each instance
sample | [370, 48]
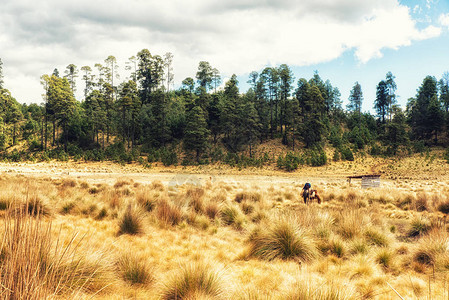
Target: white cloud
[444, 20]
[236, 36]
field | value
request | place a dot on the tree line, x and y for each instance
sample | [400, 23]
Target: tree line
[205, 121]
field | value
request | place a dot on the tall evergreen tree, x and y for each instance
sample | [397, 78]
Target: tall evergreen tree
[196, 132]
[382, 103]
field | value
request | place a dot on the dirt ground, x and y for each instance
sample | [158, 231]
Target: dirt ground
[417, 172]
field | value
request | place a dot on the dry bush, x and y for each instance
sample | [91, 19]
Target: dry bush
[282, 238]
[131, 221]
[407, 202]
[169, 213]
[134, 269]
[195, 197]
[195, 281]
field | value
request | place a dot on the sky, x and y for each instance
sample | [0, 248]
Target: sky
[344, 40]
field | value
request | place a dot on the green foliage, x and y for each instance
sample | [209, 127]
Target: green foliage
[346, 154]
[289, 162]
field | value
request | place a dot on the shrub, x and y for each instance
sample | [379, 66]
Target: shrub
[195, 281]
[283, 239]
[169, 157]
[290, 162]
[346, 154]
[169, 213]
[131, 222]
[134, 270]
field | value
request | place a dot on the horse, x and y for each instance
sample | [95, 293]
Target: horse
[310, 195]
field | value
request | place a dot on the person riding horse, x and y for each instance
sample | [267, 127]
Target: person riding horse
[309, 194]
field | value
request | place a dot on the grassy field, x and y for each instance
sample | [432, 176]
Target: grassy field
[105, 231]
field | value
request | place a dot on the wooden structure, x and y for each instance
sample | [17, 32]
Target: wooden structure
[372, 180]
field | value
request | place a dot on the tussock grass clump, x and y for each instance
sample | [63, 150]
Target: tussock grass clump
[350, 224]
[103, 213]
[418, 227]
[249, 196]
[282, 239]
[385, 258]
[359, 246]
[131, 222]
[376, 237]
[34, 265]
[433, 250]
[68, 183]
[421, 202]
[68, 207]
[212, 210]
[121, 183]
[36, 206]
[337, 247]
[134, 270]
[157, 185]
[444, 207]
[232, 215]
[195, 281]
[406, 202]
[146, 200]
[169, 213]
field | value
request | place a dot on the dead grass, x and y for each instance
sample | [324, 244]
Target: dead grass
[360, 239]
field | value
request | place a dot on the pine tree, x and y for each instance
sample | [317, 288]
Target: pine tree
[196, 132]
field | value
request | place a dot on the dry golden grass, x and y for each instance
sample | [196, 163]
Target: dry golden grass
[255, 230]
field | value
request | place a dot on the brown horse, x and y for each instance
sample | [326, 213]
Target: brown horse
[310, 195]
